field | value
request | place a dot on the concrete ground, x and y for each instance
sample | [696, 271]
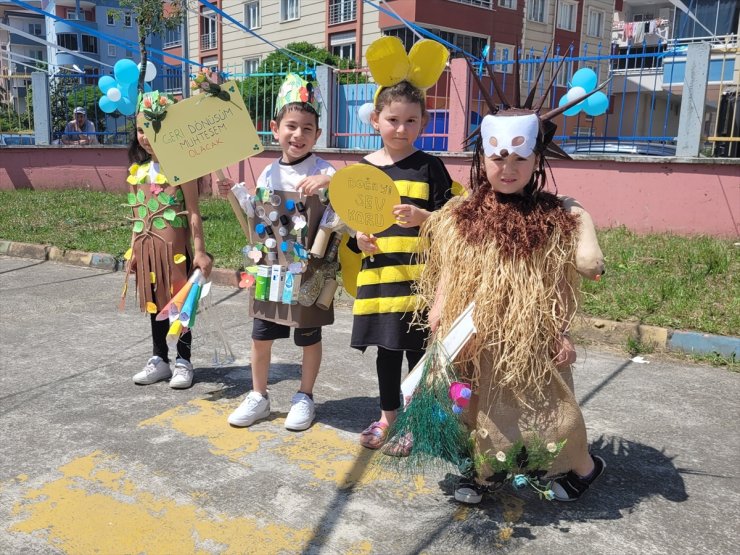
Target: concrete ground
[91, 463]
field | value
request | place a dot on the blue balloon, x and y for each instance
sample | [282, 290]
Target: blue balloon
[596, 104]
[107, 105]
[130, 92]
[105, 83]
[584, 77]
[147, 87]
[573, 110]
[126, 106]
[126, 71]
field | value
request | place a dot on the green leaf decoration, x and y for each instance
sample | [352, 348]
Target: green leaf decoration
[177, 178]
[159, 223]
[140, 196]
[146, 124]
[131, 198]
[256, 147]
[164, 198]
[138, 226]
[152, 204]
[179, 196]
[223, 95]
[231, 88]
[156, 125]
[142, 211]
[178, 221]
[169, 214]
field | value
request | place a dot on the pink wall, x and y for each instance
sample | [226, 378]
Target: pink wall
[642, 194]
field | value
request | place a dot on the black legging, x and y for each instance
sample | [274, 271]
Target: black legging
[159, 340]
[389, 364]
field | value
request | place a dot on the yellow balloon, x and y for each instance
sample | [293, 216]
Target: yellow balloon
[363, 197]
[387, 61]
[428, 60]
[351, 262]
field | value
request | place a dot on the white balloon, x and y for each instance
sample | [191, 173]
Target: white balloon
[575, 93]
[151, 71]
[364, 112]
[113, 94]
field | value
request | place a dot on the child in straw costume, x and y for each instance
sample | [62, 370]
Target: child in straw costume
[517, 252]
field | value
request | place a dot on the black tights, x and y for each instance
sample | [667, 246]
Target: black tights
[159, 340]
[389, 364]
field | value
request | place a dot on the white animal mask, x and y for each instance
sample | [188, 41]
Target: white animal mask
[510, 134]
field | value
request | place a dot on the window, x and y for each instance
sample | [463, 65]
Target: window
[111, 51]
[251, 65]
[531, 67]
[67, 40]
[289, 10]
[72, 14]
[509, 4]
[565, 73]
[208, 36]
[537, 11]
[130, 54]
[595, 23]
[503, 53]
[341, 11]
[128, 20]
[172, 37]
[343, 45]
[479, 3]
[89, 44]
[567, 13]
[111, 17]
[252, 15]
[471, 44]
[34, 29]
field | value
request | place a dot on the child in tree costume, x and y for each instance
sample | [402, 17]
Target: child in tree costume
[517, 252]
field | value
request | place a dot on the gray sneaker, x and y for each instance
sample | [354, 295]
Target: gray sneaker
[155, 371]
[301, 413]
[182, 375]
[254, 407]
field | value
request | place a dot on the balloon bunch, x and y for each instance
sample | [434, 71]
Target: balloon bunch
[120, 92]
[583, 82]
[183, 306]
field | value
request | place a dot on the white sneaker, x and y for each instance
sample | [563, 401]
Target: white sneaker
[254, 407]
[182, 375]
[301, 413]
[155, 371]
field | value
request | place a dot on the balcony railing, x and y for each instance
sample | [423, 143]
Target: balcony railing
[342, 11]
[208, 41]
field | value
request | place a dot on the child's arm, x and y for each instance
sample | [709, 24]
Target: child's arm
[366, 243]
[201, 259]
[410, 215]
[311, 184]
[589, 258]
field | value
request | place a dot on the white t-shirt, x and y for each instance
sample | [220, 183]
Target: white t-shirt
[284, 177]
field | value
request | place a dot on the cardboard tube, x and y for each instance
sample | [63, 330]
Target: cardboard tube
[326, 297]
[320, 242]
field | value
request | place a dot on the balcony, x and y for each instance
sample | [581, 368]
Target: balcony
[208, 41]
[342, 11]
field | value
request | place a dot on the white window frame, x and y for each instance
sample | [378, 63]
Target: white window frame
[72, 14]
[112, 50]
[484, 4]
[258, 16]
[531, 69]
[32, 29]
[248, 62]
[508, 4]
[535, 6]
[110, 18]
[573, 20]
[128, 17]
[504, 52]
[589, 27]
[565, 74]
[211, 41]
[290, 10]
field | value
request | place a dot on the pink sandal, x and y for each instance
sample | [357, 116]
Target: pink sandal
[399, 446]
[374, 436]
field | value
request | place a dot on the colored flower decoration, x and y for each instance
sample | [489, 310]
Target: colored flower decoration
[154, 107]
[205, 81]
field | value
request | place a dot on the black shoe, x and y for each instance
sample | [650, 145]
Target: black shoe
[573, 486]
[469, 492]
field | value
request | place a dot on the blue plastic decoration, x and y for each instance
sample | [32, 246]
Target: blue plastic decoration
[586, 78]
[572, 111]
[105, 83]
[596, 104]
[126, 72]
[107, 105]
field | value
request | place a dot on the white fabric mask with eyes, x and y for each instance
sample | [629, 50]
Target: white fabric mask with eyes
[509, 134]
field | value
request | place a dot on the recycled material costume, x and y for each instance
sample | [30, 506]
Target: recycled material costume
[384, 306]
[518, 257]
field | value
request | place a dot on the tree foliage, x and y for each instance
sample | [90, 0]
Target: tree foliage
[153, 17]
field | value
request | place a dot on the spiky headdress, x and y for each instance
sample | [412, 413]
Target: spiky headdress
[519, 131]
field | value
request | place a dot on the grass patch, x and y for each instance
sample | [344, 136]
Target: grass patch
[662, 279]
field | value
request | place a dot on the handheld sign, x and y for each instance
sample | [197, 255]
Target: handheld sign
[363, 197]
[203, 134]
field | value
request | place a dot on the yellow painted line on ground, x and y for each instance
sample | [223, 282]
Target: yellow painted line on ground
[95, 508]
[321, 450]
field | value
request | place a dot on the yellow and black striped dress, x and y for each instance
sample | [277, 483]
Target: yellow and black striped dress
[384, 305]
